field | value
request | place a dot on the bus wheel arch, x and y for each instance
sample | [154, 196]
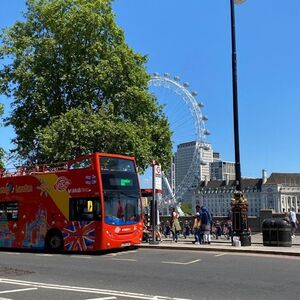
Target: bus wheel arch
[54, 241]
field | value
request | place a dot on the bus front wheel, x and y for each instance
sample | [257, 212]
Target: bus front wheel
[54, 241]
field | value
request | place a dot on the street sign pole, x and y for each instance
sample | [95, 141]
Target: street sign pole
[153, 204]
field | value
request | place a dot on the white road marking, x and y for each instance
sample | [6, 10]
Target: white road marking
[44, 254]
[105, 298]
[220, 254]
[126, 259]
[11, 253]
[4, 298]
[81, 256]
[121, 253]
[86, 290]
[19, 290]
[181, 263]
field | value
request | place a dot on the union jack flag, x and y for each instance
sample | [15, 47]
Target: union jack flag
[79, 236]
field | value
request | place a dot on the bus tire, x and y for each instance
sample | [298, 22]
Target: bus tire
[54, 241]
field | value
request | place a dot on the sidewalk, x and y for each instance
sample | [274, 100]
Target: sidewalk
[223, 245]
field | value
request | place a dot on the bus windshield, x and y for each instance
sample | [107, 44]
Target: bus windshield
[121, 208]
[122, 203]
[112, 164]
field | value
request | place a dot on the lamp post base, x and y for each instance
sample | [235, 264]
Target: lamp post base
[245, 238]
[239, 206]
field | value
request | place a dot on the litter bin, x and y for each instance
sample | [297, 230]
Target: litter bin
[276, 232]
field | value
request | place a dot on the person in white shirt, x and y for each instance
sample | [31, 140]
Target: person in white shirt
[293, 221]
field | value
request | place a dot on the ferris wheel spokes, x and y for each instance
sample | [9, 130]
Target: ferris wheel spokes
[174, 193]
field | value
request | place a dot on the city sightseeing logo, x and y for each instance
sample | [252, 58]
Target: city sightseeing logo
[62, 183]
[7, 189]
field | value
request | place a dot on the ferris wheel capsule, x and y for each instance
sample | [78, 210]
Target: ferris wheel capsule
[186, 84]
[206, 132]
[156, 74]
[166, 75]
[239, 1]
[204, 118]
[194, 93]
[177, 78]
[200, 104]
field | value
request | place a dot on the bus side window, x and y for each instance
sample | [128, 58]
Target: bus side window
[9, 216]
[85, 209]
[9, 211]
[86, 215]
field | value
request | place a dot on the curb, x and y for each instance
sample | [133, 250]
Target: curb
[217, 249]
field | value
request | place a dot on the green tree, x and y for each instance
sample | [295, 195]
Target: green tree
[77, 87]
[187, 208]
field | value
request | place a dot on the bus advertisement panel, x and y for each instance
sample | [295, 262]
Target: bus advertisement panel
[88, 204]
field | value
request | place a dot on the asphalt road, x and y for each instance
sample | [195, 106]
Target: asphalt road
[148, 274]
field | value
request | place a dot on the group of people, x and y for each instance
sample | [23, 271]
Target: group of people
[202, 225]
[223, 229]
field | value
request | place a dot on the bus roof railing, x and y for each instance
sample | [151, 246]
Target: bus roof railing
[80, 163]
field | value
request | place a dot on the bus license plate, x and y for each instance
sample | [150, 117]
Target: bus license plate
[125, 244]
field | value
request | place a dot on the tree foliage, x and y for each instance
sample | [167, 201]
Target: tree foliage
[77, 87]
[187, 208]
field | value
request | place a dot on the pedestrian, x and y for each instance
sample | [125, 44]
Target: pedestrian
[218, 230]
[186, 229]
[167, 229]
[286, 217]
[229, 229]
[197, 229]
[175, 226]
[293, 220]
[158, 235]
[206, 221]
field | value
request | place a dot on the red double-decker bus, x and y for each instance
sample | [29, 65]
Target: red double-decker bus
[88, 204]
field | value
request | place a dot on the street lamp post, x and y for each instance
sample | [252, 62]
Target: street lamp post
[239, 203]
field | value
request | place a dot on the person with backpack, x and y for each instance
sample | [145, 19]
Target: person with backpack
[197, 229]
[206, 221]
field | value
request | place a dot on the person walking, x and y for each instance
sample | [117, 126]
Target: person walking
[206, 221]
[197, 229]
[293, 220]
[218, 229]
[175, 226]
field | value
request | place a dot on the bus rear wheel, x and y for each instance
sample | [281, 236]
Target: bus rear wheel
[54, 241]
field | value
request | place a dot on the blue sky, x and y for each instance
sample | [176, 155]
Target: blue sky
[192, 39]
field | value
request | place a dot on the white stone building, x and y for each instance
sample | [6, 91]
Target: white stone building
[216, 195]
[182, 161]
[279, 192]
